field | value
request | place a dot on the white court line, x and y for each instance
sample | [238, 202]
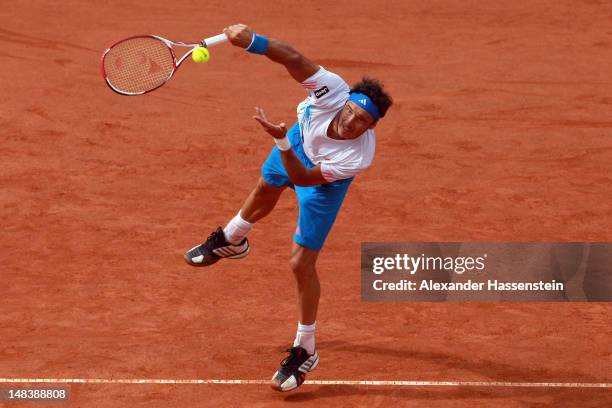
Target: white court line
[310, 382]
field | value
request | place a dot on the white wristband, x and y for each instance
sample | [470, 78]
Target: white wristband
[283, 144]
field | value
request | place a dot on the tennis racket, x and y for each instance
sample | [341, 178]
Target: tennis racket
[140, 64]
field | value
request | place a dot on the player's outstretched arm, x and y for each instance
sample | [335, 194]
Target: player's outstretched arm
[298, 174]
[299, 67]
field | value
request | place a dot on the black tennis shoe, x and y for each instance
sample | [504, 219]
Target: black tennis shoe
[293, 369]
[215, 248]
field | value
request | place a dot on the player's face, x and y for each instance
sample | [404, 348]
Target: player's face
[353, 121]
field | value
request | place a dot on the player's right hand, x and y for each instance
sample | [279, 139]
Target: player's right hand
[239, 35]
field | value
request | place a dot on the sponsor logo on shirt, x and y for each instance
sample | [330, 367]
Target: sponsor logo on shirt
[320, 92]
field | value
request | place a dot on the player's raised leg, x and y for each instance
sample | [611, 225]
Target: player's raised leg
[261, 201]
[231, 242]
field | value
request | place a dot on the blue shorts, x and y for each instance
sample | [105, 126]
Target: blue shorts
[318, 205]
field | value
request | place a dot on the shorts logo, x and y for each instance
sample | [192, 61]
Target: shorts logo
[363, 102]
[320, 92]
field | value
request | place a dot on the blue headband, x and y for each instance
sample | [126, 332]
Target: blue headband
[364, 101]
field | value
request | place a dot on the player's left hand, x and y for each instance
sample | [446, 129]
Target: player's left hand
[277, 131]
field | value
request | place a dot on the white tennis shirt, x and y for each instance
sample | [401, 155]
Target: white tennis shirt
[339, 159]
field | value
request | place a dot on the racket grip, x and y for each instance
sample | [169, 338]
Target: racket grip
[217, 39]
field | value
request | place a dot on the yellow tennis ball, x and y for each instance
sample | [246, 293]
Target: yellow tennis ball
[200, 55]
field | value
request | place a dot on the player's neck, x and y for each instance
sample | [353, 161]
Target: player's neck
[332, 129]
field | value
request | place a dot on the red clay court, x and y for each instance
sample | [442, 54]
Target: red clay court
[501, 131]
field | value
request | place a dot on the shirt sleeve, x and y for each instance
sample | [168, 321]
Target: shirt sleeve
[339, 171]
[326, 88]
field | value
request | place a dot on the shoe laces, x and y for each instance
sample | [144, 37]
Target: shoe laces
[292, 361]
[216, 237]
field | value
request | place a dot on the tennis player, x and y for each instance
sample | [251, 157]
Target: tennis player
[318, 157]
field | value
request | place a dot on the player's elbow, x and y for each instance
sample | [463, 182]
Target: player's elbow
[294, 61]
[300, 67]
[304, 181]
[293, 57]
[300, 181]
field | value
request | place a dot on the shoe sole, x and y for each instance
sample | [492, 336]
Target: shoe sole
[215, 260]
[277, 386]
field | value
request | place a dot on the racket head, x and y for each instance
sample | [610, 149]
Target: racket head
[138, 65]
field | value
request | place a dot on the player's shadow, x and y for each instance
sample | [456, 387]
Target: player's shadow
[494, 370]
[497, 396]
[413, 393]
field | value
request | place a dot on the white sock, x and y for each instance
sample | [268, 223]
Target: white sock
[305, 337]
[237, 229]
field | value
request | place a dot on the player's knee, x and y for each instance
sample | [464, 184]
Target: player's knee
[302, 270]
[263, 189]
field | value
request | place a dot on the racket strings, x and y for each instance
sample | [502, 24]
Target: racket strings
[138, 65]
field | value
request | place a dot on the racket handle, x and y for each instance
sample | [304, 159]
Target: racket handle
[217, 39]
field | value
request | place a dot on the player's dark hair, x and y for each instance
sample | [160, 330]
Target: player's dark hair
[375, 90]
